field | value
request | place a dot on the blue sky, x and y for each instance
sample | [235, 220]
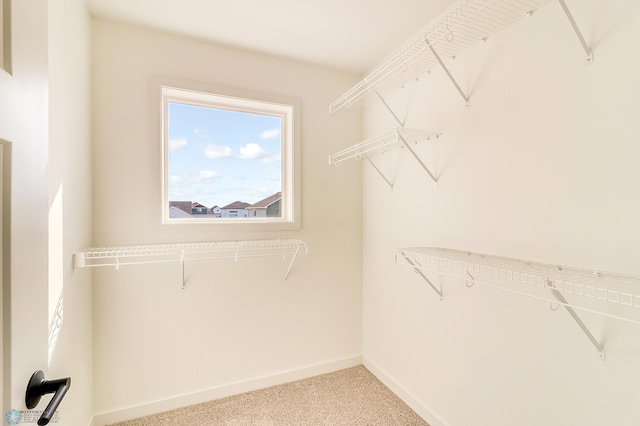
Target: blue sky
[219, 156]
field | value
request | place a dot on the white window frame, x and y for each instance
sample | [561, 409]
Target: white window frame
[287, 108]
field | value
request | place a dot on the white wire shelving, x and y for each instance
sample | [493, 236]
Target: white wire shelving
[466, 23]
[382, 143]
[181, 252]
[612, 295]
[462, 26]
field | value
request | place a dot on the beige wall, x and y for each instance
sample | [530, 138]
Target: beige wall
[542, 166]
[233, 322]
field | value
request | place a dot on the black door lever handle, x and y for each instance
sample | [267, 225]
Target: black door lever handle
[38, 387]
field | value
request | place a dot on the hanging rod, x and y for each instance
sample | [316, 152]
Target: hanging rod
[181, 252]
[462, 26]
[605, 288]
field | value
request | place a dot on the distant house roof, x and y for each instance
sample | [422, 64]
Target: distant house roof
[197, 205]
[263, 204]
[236, 205]
[176, 212]
[185, 206]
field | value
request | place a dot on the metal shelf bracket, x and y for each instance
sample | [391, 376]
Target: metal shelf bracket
[366, 157]
[563, 301]
[393, 114]
[446, 70]
[415, 156]
[576, 30]
[418, 270]
[293, 259]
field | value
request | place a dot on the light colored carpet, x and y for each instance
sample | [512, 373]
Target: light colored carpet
[352, 396]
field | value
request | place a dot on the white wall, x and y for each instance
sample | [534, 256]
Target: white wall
[542, 166]
[155, 342]
[70, 213]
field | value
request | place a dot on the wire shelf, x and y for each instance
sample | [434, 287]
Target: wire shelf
[380, 142]
[461, 27]
[602, 287]
[180, 252]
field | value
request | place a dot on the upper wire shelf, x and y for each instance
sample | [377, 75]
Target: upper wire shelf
[605, 288]
[180, 252]
[462, 26]
[380, 142]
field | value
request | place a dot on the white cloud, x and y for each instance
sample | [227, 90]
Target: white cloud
[175, 179]
[206, 176]
[200, 132]
[175, 144]
[252, 151]
[218, 151]
[270, 134]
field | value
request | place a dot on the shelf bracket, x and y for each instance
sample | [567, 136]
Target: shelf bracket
[400, 123]
[366, 157]
[426, 169]
[446, 70]
[561, 299]
[184, 280]
[295, 255]
[585, 46]
[418, 270]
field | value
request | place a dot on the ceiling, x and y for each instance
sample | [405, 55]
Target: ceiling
[351, 35]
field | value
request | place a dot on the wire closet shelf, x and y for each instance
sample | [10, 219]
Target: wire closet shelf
[461, 27]
[603, 292]
[180, 252]
[380, 143]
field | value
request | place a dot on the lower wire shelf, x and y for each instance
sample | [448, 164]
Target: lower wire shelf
[609, 294]
[181, 252]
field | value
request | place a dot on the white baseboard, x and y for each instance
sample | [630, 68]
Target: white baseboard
[422, 410]
[179, 401]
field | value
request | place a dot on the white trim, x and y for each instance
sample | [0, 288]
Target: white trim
[409, 398]
[164, 89]
[235, 388]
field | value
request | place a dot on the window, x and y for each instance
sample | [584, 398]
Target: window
[228, 159]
